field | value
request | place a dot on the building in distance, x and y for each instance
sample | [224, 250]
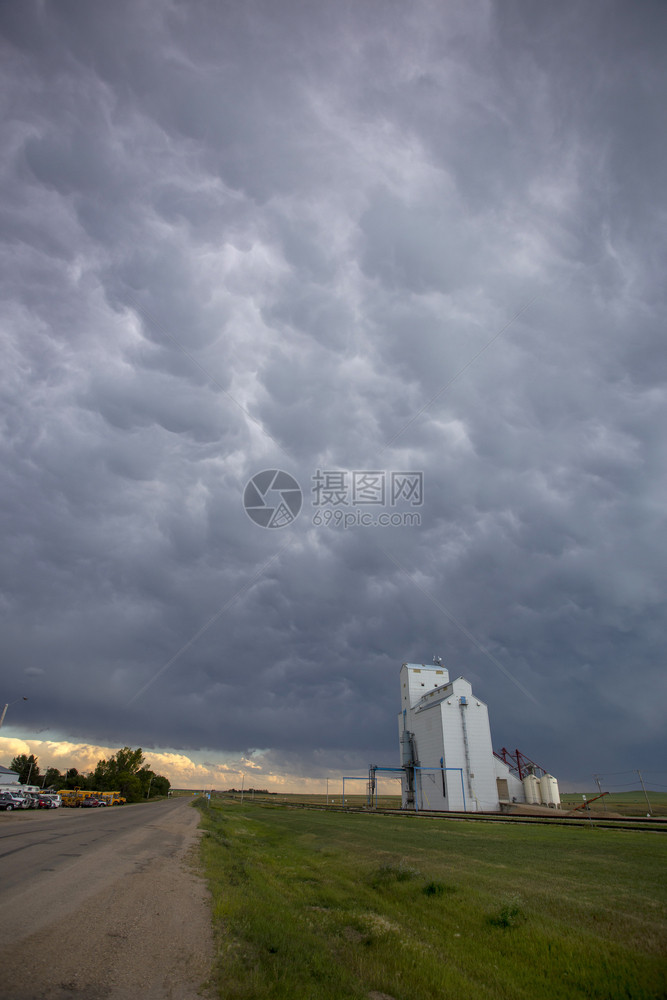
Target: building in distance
[447, 757]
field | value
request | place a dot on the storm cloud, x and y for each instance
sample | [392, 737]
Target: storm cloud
[334, 238]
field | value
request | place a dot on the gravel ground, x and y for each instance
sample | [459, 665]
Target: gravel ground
[130, 917]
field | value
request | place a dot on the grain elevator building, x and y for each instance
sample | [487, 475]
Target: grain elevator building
[446, 752]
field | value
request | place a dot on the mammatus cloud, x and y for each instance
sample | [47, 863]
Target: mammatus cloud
[383, 239]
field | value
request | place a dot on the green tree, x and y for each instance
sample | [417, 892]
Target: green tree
[125, 773]
[160, 785]
[101, 778]
[146, 776]
[27, 769]
[126, 762]
[152, 783]
[72, 778]
[53, 779]
[129, 786]
[129, 760]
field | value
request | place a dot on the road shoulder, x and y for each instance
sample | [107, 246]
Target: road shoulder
[144, 934]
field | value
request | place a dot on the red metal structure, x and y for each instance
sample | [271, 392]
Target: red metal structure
[519, 764]
[586, 803]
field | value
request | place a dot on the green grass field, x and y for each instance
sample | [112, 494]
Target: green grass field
[310, 903]
[623, 803]
[618, 803]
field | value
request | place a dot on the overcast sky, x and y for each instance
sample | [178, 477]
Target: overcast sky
[318, 238]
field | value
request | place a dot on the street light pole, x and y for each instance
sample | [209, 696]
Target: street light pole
[8, 705]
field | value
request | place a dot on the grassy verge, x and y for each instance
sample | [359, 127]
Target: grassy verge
[314, 904]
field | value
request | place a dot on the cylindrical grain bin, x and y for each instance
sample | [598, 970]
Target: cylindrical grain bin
[549, 791]
[531, 786]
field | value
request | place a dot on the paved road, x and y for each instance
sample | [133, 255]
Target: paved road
[102, 903]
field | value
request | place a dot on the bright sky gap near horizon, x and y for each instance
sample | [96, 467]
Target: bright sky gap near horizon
[361, 238]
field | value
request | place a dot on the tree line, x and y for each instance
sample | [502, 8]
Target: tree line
[125, 772]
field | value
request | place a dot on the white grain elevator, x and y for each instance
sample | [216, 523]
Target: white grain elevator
[446, 751]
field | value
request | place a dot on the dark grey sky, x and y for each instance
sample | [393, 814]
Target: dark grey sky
[245, 236]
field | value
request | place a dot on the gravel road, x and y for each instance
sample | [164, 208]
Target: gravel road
[103, 903]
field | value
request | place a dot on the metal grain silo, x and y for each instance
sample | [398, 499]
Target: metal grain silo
[531, 786]
[549, 791]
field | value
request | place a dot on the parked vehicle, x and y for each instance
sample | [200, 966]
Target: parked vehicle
[18, 799]
[111, 798]
[29, 793]
[49, 800]
[7, 801]
[78, 797]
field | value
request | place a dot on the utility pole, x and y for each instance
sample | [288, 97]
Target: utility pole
[597, 782]
[641, 781]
